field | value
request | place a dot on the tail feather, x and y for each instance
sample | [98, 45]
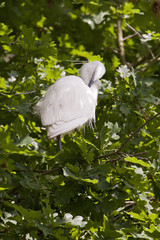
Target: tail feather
[61, 128]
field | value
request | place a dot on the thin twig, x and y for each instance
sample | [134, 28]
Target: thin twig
[120, 41]
[47, 171]
[134, 30]
[128, 207]
[141, 153]
[138, 157]
[143, 60]
[25, 93]
[40, 172]
[113, 50]
[14, 85]
[114, 160]
[108, 155]
[124, 155]
[118, 152]
[150, 63]
[135, 132]
[130, 36]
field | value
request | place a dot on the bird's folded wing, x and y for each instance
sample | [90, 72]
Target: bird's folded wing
[61, 128]
[66, 100]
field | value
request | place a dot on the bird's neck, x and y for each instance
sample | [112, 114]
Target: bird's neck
[94, 88]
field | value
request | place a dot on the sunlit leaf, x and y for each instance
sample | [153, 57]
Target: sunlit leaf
[137, 161]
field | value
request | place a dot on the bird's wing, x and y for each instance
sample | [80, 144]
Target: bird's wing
[66, 100]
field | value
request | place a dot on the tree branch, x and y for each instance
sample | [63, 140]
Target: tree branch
[106, 155]
[134, 30]
[130, 36]
[25, 93]
[150, 63]
[46, 171]
[40, 172]
[119, 153]
[143, 60]
[120, 41]
[136, 131]
[122, 155]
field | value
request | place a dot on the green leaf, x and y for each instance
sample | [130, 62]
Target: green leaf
[68, 173]
[25, 140]
[142, 217]
[94, 181]
[28, 35]
[137, 161]
[74, 169]
[27, 213]
[2, 83]
[87, 190]
[108, 232]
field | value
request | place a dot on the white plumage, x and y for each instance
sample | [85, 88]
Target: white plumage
[71, 101]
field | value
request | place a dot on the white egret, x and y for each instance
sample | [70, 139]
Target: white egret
[71, 101]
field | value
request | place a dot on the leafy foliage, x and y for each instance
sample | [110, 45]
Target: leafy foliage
[105, 183]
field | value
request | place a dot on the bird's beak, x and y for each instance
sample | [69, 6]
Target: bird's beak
[92, 80]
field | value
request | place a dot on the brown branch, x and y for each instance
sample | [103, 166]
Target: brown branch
[114, 160]
[132, 135]
[143, 60]
[134, 30]
[137, 156]
[129, 206]
[141, 153]
[108, 155]
[136, 131]
[150, 63]
[125, 154]
[120, 41]
[42, 173]
[130, 36]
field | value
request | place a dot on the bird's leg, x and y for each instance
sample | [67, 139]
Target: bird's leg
[59, 142]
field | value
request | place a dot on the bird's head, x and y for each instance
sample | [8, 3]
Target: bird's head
[92, 72]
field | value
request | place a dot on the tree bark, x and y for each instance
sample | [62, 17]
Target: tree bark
[120, 42]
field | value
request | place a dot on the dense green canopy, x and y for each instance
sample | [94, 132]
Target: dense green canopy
[104, 184]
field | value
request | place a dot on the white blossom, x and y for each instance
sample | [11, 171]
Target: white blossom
[146, 37]
[124, 71]
[13, 75]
